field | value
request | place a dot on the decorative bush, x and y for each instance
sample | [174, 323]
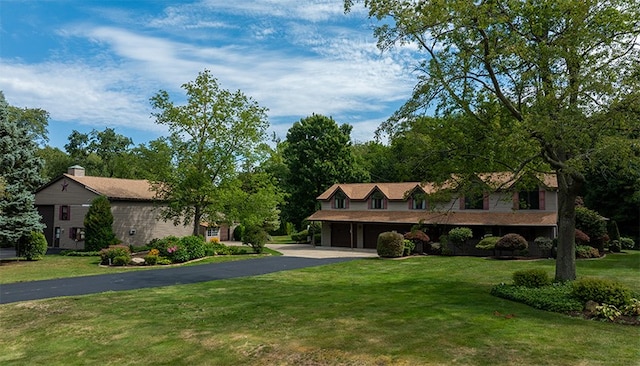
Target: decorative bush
[390, 244]
[544, 244]
[615, 246]
[179, 254]
[121, 260]
[194, 245]
[458, 236]
[601, 291]
[531, 278]
[238, 232]
[417, 236]
[108, 255]
[409, 246]
[586, 251]
[256, 237]
[98, 224]
[300, 237]
[164, 244]
[581, 237]
[512, 242]
[216, 249]
[33, 246]
[627, 243]
[556, 297]
[151, 259]
[214, 240]
[488, 243]
[593, 225]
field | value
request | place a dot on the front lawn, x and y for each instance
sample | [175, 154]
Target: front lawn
[418, 311]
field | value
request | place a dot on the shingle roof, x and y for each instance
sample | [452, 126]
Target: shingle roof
[117, 188]
[398, 191]
[443, 218]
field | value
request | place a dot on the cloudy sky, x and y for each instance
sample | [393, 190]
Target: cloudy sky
[95, 64]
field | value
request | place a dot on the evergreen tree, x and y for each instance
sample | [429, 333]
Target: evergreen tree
[98, 225]
[20, 175]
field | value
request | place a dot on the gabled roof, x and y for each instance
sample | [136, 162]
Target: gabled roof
[399, 191]
[113, 188]
[361, 191]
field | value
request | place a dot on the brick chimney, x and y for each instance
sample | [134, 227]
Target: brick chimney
[76, 171]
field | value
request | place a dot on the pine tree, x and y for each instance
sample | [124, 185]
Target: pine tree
[98, 225]
[20, 175]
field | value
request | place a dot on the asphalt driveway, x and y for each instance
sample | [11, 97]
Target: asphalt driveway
[294, 257]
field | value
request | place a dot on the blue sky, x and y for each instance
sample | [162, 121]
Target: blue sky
[95, 64]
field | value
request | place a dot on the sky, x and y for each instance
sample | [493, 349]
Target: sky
[95, 64]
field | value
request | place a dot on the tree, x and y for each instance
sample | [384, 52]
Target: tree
[20, 176]
[98, 225]
[554, 70]
[56, 162]
[317, 153]
[210, 135]
[102, 153]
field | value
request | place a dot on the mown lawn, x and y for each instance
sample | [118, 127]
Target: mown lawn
[418, 311]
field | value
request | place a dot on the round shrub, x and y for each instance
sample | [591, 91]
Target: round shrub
[512, 242]
[409, 246]
[615, 246]
[108, 255]
[256, 237]
[544, 243]
[151, 260]
[163, 245]
[458, 236]
[627, 243]
[586, 251]
[390, 244]
[531, 278]
[581, 237]
[488, 243]
[179, 254]
[121, 260]
[33, 247]
[417, 236]
[601, 291]
[194, 245]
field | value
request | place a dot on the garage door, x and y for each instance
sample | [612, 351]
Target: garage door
[371, 232]
[341, 235]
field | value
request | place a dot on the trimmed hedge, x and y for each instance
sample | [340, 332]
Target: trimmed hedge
[488, 243]
[601, 291]
[532, 278]
[390, 244]
[512, 242]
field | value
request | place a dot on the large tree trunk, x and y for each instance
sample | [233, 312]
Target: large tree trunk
[197, 217]
[568, 187]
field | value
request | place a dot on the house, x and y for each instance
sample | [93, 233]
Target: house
[64, 201]
[353, 215]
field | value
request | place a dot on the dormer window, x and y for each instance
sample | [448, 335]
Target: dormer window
[377, 201]
[474, 202]
[529, 200]
[418, 202]
[339, 200]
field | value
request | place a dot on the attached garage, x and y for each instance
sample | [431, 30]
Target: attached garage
[341, 235]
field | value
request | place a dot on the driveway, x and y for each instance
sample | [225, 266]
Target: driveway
[294, 257]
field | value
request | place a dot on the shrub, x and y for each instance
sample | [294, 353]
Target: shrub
[556, 297]
[390, 244]
[238, 232]
[608, 311]
[586, 251]
[633, 308]
[435, 248]
[532, 278]
[217, 249]
[214, 240]
[256, 237]
[544, 244]
[164, 261]
[488, 243]
[593, 225]
[417, 236]
[151, 259]
[615, 246]
[162, 245]
[512, 242]
[108, 255]
[194, 245]
[300, 237]
[601, 291]
[317, 239]
[627, 243]
[581, 237]
[409, 246]
[458, 236]
[235, 250]
[98, 223]
[121, 260]
[75, 253]
[33, 246]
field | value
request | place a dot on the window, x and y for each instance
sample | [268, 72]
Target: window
[474, 201]
[339, 200]
[377, 201]
[76, 233]
[213, 231]
[418, 202]
[529, 200]
[64, 213]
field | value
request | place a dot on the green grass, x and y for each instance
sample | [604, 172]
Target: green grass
[418, 311]
[281, 239]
